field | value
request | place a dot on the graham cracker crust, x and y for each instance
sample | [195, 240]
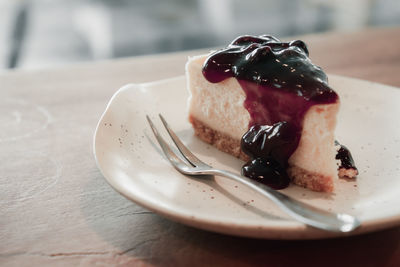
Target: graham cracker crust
[225, 143]
[221, 141]
[348, 173]
[310, 180]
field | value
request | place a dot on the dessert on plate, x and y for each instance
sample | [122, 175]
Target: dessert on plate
[262, 100]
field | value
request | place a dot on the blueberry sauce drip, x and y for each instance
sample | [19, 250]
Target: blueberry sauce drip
[280, 84]
[269, 148]
[266, 171]
[345, 157]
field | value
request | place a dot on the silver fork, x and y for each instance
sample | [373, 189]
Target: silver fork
[309, 215]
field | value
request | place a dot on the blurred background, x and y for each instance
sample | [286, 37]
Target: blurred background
[46, 33]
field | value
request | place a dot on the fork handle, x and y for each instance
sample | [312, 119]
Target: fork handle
[307, 214]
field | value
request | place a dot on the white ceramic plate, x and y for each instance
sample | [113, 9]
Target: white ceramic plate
[130, 160]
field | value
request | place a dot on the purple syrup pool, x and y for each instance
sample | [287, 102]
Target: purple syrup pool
[280, 84]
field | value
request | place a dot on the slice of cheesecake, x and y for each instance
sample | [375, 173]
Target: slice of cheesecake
[263, 101]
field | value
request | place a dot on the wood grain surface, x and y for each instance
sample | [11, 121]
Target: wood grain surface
[58, 210]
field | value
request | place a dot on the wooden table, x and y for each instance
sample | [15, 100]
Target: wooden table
[57, 209]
